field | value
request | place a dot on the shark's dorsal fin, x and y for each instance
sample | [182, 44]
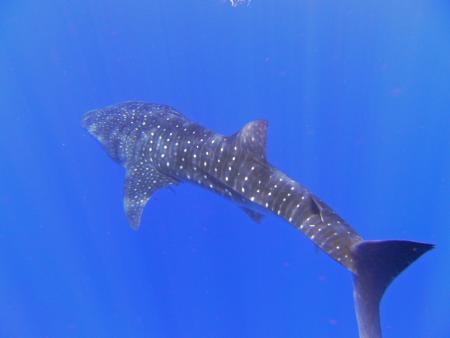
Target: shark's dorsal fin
[141, 181]
[253, 137]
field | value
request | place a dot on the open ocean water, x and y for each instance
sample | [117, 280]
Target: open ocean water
[357, 95]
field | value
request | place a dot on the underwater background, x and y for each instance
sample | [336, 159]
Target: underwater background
[357, 95]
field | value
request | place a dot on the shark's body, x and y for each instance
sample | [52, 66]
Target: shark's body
[158, 146]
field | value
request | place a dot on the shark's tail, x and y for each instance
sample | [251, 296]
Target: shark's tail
[376, 264]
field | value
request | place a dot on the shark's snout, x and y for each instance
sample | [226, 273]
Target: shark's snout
[88, 120]
[103, 125]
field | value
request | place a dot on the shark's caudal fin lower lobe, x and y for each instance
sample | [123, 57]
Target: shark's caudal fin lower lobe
[376, 264]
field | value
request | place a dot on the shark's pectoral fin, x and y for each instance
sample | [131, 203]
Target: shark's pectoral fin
[141, 182]
[254, 215]
[253, 137]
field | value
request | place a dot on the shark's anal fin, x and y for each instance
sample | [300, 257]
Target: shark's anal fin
[141, 182]
[254, 215]
[253, 136]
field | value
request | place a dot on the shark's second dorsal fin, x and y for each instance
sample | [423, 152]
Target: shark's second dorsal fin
[253, 136]
[141, 181]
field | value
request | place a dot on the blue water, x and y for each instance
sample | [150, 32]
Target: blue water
[357, 96]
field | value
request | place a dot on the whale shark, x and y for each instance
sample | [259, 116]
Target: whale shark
[159, 147]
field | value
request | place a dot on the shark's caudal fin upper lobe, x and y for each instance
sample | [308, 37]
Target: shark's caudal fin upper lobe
[377, 263]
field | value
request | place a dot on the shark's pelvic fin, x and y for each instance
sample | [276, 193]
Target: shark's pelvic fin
[141, 182]
[253, 136]
[377, 263]
[254, 215]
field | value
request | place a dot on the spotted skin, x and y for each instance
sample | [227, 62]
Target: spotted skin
[160, 147]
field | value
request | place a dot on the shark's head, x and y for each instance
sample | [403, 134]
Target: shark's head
[123, 129]
[110, 126]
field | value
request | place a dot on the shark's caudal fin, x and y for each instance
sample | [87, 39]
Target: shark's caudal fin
[376, 264]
